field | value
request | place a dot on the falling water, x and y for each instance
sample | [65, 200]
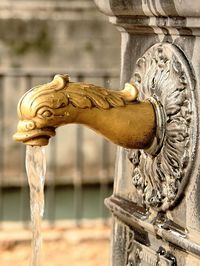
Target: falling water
[36, 169]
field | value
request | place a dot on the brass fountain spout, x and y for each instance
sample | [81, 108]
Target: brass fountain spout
[117, 115]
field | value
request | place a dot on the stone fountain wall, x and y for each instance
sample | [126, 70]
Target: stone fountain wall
[156, 199]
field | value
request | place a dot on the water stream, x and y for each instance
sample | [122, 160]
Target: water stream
[36, 169]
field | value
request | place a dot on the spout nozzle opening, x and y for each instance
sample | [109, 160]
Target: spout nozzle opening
[36, 137]
[40, 141]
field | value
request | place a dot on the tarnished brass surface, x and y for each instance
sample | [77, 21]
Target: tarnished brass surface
[115, 114]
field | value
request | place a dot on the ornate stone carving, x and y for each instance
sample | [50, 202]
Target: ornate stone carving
[164, 74]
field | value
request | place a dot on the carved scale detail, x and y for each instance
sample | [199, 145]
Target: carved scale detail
[164, 74]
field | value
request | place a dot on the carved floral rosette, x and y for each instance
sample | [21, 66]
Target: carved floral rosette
[164, 74]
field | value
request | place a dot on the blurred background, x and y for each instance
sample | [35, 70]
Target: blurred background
[38, 39]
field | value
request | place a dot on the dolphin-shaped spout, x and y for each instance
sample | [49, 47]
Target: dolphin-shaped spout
[117, 115]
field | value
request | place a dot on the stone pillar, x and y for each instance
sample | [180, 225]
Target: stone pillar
[156, 199]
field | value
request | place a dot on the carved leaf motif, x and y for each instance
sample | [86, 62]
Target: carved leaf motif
[87, 96]
[82, 95]
[79, 100]
[115, 100]
[163, 73]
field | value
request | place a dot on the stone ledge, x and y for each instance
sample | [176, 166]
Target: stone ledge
[155, 8]
[159, 25]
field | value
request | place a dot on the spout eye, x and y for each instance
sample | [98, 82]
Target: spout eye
[45, 113]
